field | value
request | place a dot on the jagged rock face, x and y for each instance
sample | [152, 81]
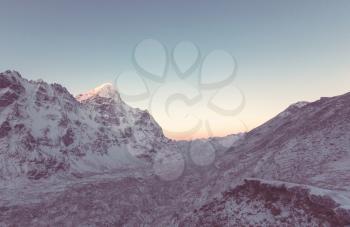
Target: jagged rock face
[44, 130]
[31, 126]
[11, 89]
[136, 128]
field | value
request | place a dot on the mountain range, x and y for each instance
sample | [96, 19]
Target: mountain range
[92, 160]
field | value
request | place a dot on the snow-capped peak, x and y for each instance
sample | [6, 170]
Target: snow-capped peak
[106, 90]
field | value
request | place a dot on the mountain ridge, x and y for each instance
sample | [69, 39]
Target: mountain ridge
[56, 129]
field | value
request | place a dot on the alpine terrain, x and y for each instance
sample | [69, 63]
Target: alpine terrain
[92, 160]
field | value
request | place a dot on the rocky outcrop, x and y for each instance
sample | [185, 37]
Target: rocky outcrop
[263, 203]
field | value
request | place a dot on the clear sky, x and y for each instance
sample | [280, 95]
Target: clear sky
[286, 51]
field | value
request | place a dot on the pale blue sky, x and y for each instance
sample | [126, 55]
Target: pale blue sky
[286, 50]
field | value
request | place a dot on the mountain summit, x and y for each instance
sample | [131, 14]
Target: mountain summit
[106, 90]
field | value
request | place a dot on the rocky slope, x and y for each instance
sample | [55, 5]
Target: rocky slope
[271, 203]
[307, 144]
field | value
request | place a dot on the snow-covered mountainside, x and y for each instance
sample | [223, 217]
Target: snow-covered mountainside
[139, 132]
[294, 170]
[44, 130]
[307, 144]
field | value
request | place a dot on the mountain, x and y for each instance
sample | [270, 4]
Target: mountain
[44, 130]
[306, 146]
[110, 164]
